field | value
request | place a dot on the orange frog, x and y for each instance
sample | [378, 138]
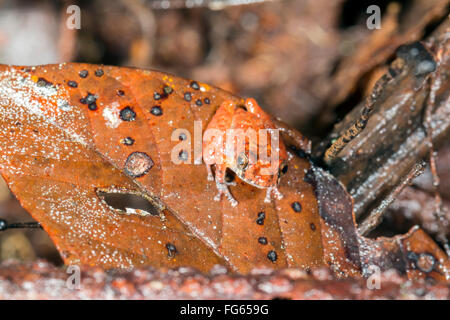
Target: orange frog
[245, 140]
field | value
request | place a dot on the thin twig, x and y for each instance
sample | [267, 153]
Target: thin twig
[375, 217]
[4, 225]
[439, 212]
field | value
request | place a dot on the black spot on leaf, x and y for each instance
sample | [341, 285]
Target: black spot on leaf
[272, 256]
[261, 217]
[99, 72]
[72, 84]
[128, 141]
[262, 240]
[83, 73]
[296, 206]
[194, 85]
[127, 114]
[171, 250]
[156, 111]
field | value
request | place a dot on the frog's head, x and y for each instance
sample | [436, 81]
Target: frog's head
[259, 173]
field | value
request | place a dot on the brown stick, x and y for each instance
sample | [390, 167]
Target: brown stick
[375, 217]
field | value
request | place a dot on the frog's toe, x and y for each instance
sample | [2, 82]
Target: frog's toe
[269, 192]
[223, 190]
[230, 198]
[233, 202]
[278, 194]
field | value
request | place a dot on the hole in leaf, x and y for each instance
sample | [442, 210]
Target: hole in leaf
[129, 203]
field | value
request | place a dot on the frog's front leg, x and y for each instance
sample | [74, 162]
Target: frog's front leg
[222, 186]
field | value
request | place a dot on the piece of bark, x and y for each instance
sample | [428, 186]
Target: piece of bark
[394, 140]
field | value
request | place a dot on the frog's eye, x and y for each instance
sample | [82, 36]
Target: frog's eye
[242, 161]
[284, 168]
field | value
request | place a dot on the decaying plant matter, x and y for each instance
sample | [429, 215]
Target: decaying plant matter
[41, 280]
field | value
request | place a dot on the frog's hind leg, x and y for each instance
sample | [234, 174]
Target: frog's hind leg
[292, 136]
[222, 186]
[223, 189]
